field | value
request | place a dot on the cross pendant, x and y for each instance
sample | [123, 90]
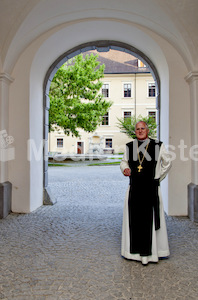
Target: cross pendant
[139, 168]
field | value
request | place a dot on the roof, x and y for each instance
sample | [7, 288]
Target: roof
[119, 62]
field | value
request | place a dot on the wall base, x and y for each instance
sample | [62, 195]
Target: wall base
[193, 202]
[48, 198]
[5, 199]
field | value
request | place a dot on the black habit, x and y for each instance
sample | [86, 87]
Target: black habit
[143, 202]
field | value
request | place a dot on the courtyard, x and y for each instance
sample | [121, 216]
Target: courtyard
[71, 250]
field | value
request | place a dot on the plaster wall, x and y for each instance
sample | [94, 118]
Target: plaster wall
[177, 90]
[19, 168]
[26, 126]
[179, 115]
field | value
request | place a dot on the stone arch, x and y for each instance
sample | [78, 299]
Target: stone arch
[100, 46]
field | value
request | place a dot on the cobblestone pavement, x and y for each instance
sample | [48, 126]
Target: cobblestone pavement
[71, 250]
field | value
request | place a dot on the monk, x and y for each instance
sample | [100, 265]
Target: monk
[144, 235]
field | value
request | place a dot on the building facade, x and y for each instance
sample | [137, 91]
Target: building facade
[129, 85]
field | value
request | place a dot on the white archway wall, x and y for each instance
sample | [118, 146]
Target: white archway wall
[46, 14]
[179, 126]
[25, 123]
[19, 168]
[179, 130]
[27, 189]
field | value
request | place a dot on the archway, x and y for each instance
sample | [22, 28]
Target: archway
[100, 46]
[28, 89]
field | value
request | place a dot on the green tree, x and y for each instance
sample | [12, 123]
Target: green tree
[127, 126]
[75, 101]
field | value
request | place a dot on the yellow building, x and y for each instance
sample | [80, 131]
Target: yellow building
[129, 84]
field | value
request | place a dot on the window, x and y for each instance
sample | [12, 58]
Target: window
[108, 143]
[152, 114]
[151, 90]
[105, 120]
[105, 90]
[127, 89]
[127, 114]
[59, 143]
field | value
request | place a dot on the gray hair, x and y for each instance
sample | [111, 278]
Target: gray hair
[142, 122]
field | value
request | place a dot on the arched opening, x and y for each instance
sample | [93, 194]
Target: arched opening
[100, 46]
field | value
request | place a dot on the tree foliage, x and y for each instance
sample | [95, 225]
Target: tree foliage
[75, 101]
[127, 125]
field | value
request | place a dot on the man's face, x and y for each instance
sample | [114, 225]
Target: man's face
[141, 131]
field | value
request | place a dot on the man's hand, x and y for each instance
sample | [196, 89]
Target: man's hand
[127, 172]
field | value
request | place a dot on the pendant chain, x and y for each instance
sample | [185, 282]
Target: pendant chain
[141, 161]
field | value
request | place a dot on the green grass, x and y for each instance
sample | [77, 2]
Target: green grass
[58, 165]
[91, 164]
[104, 164]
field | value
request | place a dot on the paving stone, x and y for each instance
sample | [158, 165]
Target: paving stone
[71, 250]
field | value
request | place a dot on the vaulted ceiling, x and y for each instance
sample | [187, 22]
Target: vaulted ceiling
[174, 20]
